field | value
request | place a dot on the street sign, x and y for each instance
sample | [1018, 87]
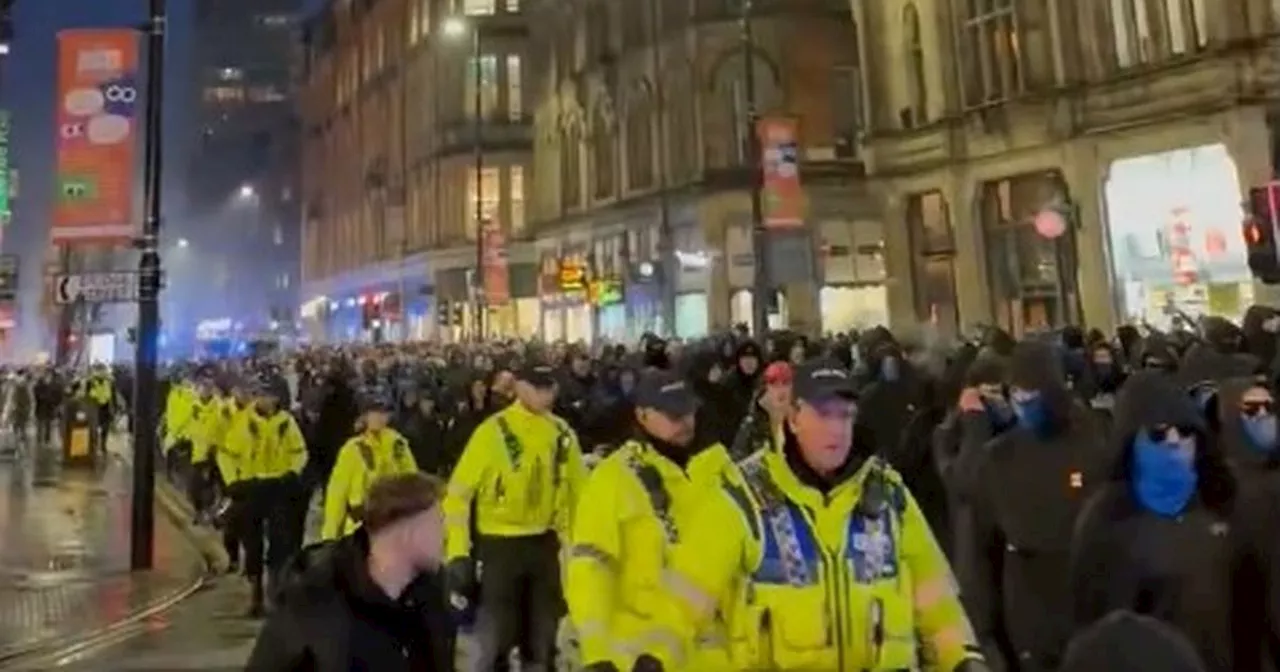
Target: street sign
[111, 287]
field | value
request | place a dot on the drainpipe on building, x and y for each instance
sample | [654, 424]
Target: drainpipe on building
[666, 237]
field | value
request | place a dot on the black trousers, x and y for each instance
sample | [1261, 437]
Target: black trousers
[521, 601]
[270, 534]
[202, 487]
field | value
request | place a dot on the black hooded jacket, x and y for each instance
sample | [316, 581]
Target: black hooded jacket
[1028, 487]
[1128, 642]
[1192, 571]
[335, 619]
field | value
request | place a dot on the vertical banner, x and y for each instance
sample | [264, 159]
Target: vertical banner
[497, 290]
[781, 194]
[97, 103]
[5, 186]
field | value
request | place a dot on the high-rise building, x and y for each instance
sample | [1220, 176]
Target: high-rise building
[236, 242]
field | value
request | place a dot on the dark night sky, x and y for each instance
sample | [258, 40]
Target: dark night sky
[27, 87]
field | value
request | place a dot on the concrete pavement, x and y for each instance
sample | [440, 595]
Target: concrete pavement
[64, 552]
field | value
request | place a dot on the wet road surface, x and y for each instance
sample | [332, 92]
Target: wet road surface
[64, 552]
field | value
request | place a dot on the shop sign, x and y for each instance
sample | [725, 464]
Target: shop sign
[606, 292]
[573, 276]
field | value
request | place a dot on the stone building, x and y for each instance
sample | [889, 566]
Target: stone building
[640, 161]
[1043, 160]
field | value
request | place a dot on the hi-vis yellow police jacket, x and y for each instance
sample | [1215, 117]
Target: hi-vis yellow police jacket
[266, 447]
[637, 505]
[523, 470]
[825, 584]
[363, 459]
[225, 414]
[179, 412]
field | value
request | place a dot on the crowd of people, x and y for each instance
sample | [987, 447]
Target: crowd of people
[1068, 501]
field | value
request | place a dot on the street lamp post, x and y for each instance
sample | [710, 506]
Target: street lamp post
[145, 390]
[456, 27]
[761, 290]
[666, 239]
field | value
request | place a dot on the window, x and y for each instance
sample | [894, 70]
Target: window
[230, 74]
[731, 148]
[277, 235]
[990, 54]
[479, 7]
[424, 17]
[516, 198]
[515, 90]
[490, 197]
[918, 94]
[846, 109]
[640, 140]
[682, 126]
[266, 94]
[488, 76]
[274, 20]
[933, 261]
[570, 168]
[603, 154]
[1030, 283]
[1177, 27]
[223, 94]
[512, 6]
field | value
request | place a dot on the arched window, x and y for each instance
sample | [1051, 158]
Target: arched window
[914, 43]
[733, 100]
[603, 153]
[639, 140]
[681, 124]
[570, 167]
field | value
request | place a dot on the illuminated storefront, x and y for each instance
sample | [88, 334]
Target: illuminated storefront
[1173, 222]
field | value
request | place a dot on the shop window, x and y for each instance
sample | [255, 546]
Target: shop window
[990, 53]
[1031, 286]
[933, 261]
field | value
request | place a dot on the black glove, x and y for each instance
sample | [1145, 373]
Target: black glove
[460, 579]
[604, 666]
[647, 663]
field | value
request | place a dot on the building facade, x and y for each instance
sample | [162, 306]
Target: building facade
[643, 167]
[233, 257]
[1043, 161]
[418, 128]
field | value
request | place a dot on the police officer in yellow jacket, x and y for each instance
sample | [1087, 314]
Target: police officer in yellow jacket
[638, 502]
[101, 391]
[204, 416]
[227, 459]
[271, 454]
[521, 471]
[375, 452]
[833, 561]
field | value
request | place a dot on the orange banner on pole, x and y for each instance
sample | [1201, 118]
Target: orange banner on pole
[96, 137]
[497, 283]
[781, 195]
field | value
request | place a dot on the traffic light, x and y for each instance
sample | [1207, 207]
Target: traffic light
[458, 314]
[442, 314]
[1260, 225]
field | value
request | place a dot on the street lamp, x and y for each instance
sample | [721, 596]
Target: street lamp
[762, 289]
[183, 243]
[455, 28]
[247, 191]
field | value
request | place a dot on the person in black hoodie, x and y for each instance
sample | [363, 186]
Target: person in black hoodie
[1029, 484]
[370, 601]
[1159, 539]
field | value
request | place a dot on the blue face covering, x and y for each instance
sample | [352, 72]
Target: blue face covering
[1033, 415]
[889, 369]
[999, 413]
[1261, 431]
[1164, 474]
